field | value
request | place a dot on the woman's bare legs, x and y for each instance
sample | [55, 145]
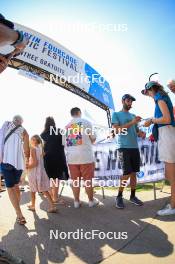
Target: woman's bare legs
[52, 208]
[55, 191]
[33, 199]
[170, 175]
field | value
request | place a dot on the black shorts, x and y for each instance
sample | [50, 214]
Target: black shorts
[129, 160]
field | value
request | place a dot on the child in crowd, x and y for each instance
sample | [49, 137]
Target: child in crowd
[38, 179]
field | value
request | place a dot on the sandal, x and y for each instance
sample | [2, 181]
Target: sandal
[21, 220]
[31, 208]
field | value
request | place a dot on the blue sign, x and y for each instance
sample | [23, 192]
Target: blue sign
[99, 87]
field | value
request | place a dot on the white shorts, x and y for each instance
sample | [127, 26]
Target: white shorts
[166, 144]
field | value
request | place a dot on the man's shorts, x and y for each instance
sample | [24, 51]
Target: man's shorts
[129, 160]
[84, 171]
[11, 175]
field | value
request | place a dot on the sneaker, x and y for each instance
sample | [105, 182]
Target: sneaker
[76, 204]
[93, 203]
[166, 211]
[136, 201]
[119, 202]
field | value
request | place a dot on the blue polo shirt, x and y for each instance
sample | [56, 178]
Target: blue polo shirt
[125, 141]
[157, 113]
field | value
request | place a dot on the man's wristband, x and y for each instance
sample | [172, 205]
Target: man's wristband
[19, 39]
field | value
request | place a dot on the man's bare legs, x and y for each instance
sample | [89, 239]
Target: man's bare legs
[76, 189]
[18, 193]
[89, 189]
[14, 199]
[123, 179]
[133, 183]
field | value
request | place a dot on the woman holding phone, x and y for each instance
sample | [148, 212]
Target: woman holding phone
[164, 119]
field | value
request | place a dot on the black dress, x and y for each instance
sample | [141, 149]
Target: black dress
[54, 157]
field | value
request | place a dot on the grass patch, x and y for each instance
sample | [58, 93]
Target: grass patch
[140, 187]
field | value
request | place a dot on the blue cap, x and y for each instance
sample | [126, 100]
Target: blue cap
[149, 85]
[128, 96]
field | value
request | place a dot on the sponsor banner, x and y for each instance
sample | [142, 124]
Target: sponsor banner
[98, 87]
[31, 75]
[52, 57]
[108, 169]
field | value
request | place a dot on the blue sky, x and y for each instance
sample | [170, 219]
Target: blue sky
[126, 59]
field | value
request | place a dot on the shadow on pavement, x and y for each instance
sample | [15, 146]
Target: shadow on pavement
[28, 243]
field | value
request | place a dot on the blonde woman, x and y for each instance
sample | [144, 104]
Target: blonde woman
[164, 118]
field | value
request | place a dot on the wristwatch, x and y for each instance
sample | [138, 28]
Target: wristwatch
[19, 39]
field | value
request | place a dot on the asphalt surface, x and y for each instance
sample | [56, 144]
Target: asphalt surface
[149, 238]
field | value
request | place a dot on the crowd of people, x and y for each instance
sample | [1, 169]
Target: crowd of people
[51, 156]
[43, 158]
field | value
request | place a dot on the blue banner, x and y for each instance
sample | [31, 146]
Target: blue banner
[99, 87]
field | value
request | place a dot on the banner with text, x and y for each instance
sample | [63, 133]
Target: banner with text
[52, 57]
[108, 169]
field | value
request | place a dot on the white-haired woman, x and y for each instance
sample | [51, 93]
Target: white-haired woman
[164, 118]
[14, 143]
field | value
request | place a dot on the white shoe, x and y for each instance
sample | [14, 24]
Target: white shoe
[76, 204]
[166, 211]
[93, 203]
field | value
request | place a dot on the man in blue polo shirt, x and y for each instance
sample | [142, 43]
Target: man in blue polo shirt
[127, 145]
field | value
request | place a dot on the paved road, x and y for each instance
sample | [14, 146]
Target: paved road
[149, 239]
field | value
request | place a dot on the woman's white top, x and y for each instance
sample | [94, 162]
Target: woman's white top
[12, 151]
